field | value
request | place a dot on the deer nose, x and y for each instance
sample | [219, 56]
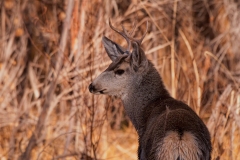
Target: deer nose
[91, 88]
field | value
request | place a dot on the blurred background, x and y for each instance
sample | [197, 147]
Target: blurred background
[50, 50]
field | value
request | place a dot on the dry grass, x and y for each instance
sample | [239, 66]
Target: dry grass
[46, 111]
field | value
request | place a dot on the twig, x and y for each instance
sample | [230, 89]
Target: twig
[173, 49]
[195, 70]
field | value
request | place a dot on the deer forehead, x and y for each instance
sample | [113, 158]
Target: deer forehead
[120, 64]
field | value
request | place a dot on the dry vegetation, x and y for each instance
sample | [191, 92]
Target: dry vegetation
[46, 111]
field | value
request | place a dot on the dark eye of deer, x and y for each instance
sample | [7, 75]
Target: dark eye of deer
[119, 72]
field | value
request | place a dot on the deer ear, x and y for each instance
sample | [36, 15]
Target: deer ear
[138, 58]
[113, 49]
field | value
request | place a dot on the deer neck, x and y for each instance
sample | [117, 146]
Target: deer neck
[144, 91]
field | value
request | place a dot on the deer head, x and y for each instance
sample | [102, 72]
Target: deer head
[126, 68]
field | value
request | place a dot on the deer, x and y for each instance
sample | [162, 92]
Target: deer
[168, 129]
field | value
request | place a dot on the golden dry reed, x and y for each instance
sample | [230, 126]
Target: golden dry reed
[51, 50]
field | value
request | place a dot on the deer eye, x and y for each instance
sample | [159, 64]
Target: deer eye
[119, 72]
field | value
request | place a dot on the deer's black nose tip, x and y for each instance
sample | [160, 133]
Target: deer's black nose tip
[91, 88]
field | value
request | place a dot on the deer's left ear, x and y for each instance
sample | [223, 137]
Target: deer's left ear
[138, 58]
[113, 49]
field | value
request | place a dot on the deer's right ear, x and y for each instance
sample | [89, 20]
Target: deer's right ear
[113, 49]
